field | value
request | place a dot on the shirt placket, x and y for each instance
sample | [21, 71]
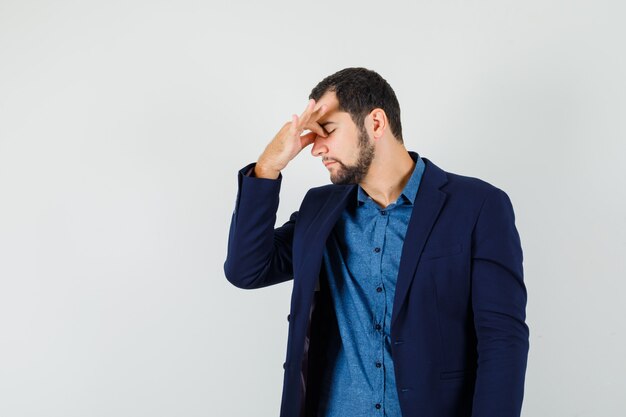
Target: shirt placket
[379, 302]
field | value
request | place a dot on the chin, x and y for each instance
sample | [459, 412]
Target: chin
[341, 180]
[335, 180]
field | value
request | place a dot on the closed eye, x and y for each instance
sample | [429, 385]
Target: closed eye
[326, 129]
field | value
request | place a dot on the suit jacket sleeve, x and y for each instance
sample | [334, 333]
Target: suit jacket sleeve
[258, 255]
[499, 304]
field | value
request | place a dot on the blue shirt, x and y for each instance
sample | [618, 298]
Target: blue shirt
[361, 258]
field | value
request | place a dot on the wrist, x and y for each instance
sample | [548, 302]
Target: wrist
[263, 171]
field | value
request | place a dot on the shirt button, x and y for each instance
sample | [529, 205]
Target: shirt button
[376, 250]
[378, 364]
[377, 406]
[378, 327]
[379, 289]
[383, 212]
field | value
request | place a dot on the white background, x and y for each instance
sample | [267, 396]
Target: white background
[123, 125]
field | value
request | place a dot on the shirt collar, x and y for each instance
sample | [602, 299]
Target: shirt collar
[410, 189]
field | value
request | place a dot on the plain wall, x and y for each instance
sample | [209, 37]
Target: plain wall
[123, 125]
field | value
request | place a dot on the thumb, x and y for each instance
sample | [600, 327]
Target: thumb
[306, 140]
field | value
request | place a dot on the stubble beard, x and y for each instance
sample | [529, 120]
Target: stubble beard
[353, 174]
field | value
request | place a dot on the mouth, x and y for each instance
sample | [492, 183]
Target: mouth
[327, 163]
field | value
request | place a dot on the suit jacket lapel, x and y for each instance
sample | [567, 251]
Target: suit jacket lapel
[428, 204]
[315, 237]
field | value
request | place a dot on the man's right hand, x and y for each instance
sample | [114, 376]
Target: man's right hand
[288, 143]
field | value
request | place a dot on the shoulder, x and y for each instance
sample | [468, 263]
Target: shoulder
[466, 187]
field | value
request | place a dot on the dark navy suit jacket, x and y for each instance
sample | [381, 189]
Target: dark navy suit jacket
[458, 332]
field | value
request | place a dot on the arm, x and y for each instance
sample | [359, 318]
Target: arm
[258, 255]
[499, 304]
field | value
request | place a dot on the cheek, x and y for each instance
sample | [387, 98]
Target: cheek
[345, 145]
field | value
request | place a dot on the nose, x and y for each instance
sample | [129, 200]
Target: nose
[319, 147]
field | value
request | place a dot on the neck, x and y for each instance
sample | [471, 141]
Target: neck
[391, 169]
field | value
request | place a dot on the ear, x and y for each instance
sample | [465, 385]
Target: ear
[379, 122]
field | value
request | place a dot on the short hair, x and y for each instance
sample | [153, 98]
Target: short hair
[359, 91]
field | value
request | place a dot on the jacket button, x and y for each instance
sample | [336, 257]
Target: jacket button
[284, 365]
[288, 317]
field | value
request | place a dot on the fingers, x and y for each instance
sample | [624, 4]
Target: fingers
[320, 110]
[313, 111]
[293, 127]
[315, 127]
[308, 120]
[304, 117]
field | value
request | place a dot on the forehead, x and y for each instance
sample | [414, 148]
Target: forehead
[329, 99]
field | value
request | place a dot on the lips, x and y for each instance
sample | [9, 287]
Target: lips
[327, 163]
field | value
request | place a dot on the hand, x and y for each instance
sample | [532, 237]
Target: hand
[288, 142]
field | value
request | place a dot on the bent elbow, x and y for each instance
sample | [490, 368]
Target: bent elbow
[239, 278]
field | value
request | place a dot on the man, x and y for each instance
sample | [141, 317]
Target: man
[408, 295]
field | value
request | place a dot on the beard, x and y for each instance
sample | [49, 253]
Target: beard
[354, 174]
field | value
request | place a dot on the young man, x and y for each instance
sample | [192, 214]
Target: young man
[408, 295]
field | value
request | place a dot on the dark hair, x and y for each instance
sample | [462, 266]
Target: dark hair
[359, 91]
